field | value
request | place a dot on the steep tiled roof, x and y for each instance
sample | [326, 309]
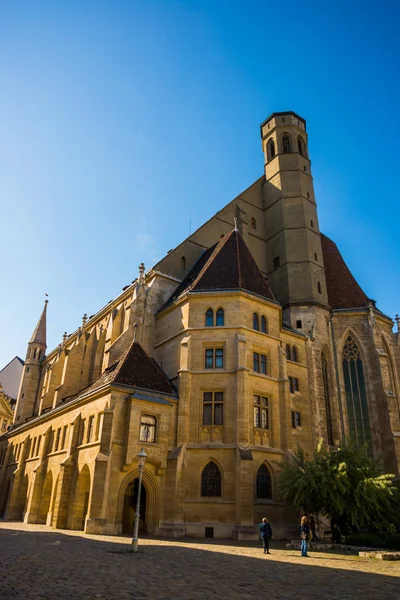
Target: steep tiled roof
[135, 369]
[343, 289]
[229, 265]
[39, 335]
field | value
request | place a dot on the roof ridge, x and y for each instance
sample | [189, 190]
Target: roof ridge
[211, 258]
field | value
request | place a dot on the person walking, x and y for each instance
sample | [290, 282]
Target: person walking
[266, 534]
[304, 534]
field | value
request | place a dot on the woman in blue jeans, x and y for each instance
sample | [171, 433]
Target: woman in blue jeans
[304, 533]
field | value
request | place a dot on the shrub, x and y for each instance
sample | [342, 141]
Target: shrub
[393, 542]
[369, 540]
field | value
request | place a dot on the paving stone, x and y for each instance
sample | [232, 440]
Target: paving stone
[83, 567]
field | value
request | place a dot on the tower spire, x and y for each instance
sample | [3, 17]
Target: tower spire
[39, 335]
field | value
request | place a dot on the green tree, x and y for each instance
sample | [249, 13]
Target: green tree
[344, 485]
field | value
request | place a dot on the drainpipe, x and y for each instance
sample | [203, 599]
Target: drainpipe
[339, 395]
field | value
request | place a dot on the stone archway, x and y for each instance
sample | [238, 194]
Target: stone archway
[45, 499]
[80, 502]
[129, 508]
[152, 502]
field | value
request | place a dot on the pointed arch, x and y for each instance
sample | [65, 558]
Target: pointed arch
[270, 149]
[288, 352]
[294, 354]
[264, 483]
[220, 317]
[211, 480]
[256, 322]
[45, 497]
[152, 498]
[209, 321]
[301, 147]
[286, 143]
[264, 324]
[356, 393]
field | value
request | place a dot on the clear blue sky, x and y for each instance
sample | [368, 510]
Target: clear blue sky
[123, 121]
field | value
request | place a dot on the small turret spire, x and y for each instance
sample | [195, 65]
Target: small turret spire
[39, 335]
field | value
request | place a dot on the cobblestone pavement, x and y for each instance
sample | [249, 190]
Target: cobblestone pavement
[37, 562]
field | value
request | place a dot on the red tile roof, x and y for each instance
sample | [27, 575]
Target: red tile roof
[229, 265]
[343, 289]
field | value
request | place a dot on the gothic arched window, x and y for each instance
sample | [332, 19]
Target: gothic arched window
[211, 480]
[219, 321]
[264, 325]
[356, 394]
[288, 352]
[286, 143]
[270, 149]
[325, 381]
[253, 223]
[256, 325]
[209, 317]
[183, 262]
[294, 354]
[264, 482]
[301, 146]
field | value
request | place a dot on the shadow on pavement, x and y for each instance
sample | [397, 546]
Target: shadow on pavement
[57, 566]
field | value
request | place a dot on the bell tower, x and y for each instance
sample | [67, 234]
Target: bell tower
[28, 389]
[294, 253]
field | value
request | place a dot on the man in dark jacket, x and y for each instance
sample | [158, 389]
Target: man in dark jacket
[266, 534]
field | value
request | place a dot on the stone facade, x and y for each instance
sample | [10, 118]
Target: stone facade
[238, 346]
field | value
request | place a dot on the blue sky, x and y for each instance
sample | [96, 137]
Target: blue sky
[124, 122]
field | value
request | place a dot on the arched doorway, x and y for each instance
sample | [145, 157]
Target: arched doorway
[45, 499]
[130, 500]
[81, 500]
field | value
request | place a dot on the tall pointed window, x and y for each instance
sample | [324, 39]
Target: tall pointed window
[286, 143]
[264, 482]
[294, 354]
[288, 352]
[325, 382]
[301, 146]
[211, 480]
[270, 149]
[220, 317]
[264, 325]
[256, 323]
[209, 318]
[356, 394]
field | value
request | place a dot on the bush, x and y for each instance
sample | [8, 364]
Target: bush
[369, 540]
[393, 542]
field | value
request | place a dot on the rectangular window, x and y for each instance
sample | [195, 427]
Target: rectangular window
[148, 429]
[261, 415]
[294, 384]
[213, 408]
[34, 447]
[90, 429]
[38, 445]
[214, 358]
[57, 439]
[260, 363]
[82, 431]
[296, 419]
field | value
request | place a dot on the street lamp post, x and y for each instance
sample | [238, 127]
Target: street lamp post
[141, 461]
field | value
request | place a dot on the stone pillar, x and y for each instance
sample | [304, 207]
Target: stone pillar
[173, 523]
[19, 488]
[245, 528]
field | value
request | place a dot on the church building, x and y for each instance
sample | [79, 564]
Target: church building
[247, 340]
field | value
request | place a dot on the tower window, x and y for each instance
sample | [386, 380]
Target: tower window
[304, 168]
[253, 223]
[319, 287]
[315, 256]
[298, 324]
[308, 194]
[312, 223]
[294, 385]
[294, 354]
[270, 149]
[301, 146]
[296, 419]
[264, 325]
[283, 119]
[277, 262]
[214, 358]
[183, 262]
[286, 144]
